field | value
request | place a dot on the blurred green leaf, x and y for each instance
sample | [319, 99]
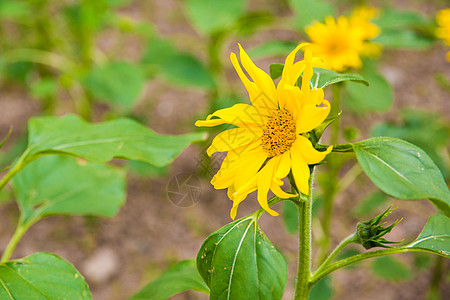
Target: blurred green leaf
[43, 88]
[323, 290]
[239, 262]
[118, 83]
[308, 11]
[250, 22]
[403, 39]
[377, 97]
[396, 19]
[424, 129]
[12, 9]
[179, 278]
[403, 170]
[120, 138]
[158, 51]
[346, 253]
[186, 70]
[434, 236]
[272, 48]
[422, 261]
[290, 216]
[42, 276]
[369, 205]
[208, 16]
[55, 185]
[391, 269]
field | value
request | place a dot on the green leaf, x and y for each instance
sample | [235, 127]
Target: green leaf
[435, 236]
[308, 11]
[10, 9]
[323, 77]
[208, 16]
[319, 130]
[272, 48]
[290, 216]
[402, 170]
[119, 83]
[370, 204]
[179, 278]
[323, 290]
[120, 138]
[186, 70]
[65, 185]
[42, 276]
[390, 268]
[403, 39]
[239, 262]
[276, 70]
[147, 170]
[397, 19]
[377, 97]
[158, 51]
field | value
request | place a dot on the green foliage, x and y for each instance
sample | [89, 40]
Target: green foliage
[435, 236]
[119, 83]
[120, 138]
[272, 48]
[181, 277]
[390, 268]
[11, 9]
[209, 16]
[323, 290]
[307, 11]
[42, 276]
[239, 262]
[403, 170]
[56, 185]
[323, 77]
[370, 204]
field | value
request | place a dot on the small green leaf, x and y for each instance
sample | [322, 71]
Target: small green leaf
[323, 290]
[272, 48]
[390, 268]
[370, 204]
[403, 170]
[179, 278]
[186, 70]
[319, 130]
[239, 262]
[323, 77]
[65, 185]
[209, 16]
[120, 138]
[290, 216]
[42, 276]
[377, 97]
[276, 70]
[119, 83]
[308, 11]
[435, 236]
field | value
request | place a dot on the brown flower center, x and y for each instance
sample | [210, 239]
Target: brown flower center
[279, 134]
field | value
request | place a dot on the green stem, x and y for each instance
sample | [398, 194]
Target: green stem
[20, 231]
[40, 57]
[336, 148]
[302, 287]
[348, 240]
[21, 163]
[316, 276]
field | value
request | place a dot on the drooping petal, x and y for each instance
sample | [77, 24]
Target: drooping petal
[310, 155]
[234, 138]
[265, 177]
[300, 170]
[242, 115]
[311, 116]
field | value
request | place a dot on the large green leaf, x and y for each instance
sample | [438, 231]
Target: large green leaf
[209, 16]
[434, 236]
[403, 170]
[377, 97]
[239, 262]
[119, 83]
[120, 138]
[67, 185]
[179, 278]
[308, 11]
[42, 276]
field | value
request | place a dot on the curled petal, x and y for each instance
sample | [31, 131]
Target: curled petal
[311, 116]
[310, 155]
[242, 115]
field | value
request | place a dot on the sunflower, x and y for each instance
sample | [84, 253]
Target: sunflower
[270, 138]
[443, 31]
[342, 42]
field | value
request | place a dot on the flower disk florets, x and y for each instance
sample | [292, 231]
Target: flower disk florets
[279, 133]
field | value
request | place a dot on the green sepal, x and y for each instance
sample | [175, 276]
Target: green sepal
[319, 130]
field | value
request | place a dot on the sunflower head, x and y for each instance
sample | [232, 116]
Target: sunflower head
[269, 139]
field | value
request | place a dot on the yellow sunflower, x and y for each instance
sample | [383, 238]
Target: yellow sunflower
[271, 135]
[342, 42]
[443, 31]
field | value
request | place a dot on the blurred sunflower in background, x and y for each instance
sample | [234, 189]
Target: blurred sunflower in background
[341, 43]
[443, 30]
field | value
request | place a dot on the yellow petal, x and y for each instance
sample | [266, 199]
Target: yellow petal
[276, 189]
[234, 138]
[250, 86]
[242, 115]
[291, 71]
[311, 116]
[300, 170]
[310, 155]
[265, 177]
